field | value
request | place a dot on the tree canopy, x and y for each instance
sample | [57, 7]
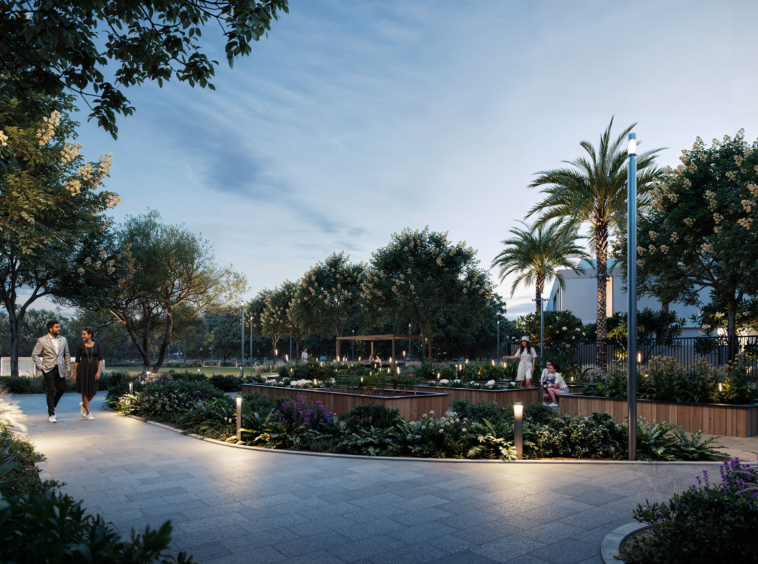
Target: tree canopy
[420, 274]
[99, 48]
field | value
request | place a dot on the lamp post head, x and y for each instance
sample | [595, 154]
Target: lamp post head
[632, 144]
[518, 409]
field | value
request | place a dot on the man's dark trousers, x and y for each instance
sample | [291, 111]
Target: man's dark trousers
[55, 388]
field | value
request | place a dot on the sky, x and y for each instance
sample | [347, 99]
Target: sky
[354, 120]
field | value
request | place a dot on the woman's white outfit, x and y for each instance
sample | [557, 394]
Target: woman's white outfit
[525, 364]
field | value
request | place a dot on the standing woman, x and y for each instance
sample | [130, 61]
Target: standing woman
[87, 367]
[527, 358]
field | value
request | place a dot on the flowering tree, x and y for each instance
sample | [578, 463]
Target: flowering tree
[559, 326]
[421, 274]
[329, 297]
[701, 230]
[53, 234]
[169, 266]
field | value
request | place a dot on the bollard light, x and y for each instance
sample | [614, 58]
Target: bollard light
[239, 417]
[721, 387]
[639, 357]
[518, 428]
[287, 357]
[398, 371]
[438, 375]
[131, 387]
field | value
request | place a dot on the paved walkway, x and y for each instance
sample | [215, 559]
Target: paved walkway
[232, 505]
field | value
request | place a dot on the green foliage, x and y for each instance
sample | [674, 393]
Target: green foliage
[420, 274]
[165, 400]
[558, 326]
[67, 45]
[55, 528]
[535, 255]
[18, 473]
[215, 418]
[596, 436]
[664, 379]
[651, 324]
[701, 525]
[368, 416]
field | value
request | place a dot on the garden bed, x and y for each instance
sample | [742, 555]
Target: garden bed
[500, 397]
[711, 418]
[410, 405]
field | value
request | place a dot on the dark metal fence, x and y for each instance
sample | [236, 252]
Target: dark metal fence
[686, 350]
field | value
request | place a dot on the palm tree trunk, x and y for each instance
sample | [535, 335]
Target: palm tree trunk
[540, 286]
[601, 254]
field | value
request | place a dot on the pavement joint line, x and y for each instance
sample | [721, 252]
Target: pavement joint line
[412, 459]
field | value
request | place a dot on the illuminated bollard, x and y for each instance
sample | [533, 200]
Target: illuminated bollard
[239, 417]
[518, 428]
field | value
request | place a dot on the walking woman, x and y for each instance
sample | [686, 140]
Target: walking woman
[527, 358]
[87, 367]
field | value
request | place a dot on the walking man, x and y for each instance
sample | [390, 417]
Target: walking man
[51, 357]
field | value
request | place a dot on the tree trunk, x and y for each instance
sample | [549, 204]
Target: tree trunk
[539, 287]
[422, 330]
[337, 332]
[14, 323]
[731, 329]
[601, 254]
[166, 341]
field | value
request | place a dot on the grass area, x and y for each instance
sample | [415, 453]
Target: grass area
[207, 370]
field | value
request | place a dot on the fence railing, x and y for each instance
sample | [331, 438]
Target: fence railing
[686, 350]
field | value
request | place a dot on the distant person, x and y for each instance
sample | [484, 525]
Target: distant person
[545, 370]
[527, 357]
[554, 385]
[87, 368]
[50, 356]
[304, 355]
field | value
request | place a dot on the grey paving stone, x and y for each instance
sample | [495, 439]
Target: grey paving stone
[568, 551]
[464, 557]
[365, 548]
[155, 493]
[419, 533]
[319, 557]
[365, 530]
[450, 544]
[314, 543]
[486, 533]
[197, 525]
[168, 479]
[254, 555]
[377, 512]
[420, 516]
[596, 498]
[167, 509]
[420, 552]
[209, 551]
[508, 548]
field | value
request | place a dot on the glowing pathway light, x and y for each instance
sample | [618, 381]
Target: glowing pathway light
[239, 417]
[518, 428]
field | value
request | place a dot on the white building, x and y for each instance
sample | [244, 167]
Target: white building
[580, 297]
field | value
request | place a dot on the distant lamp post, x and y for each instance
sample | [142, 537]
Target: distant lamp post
[498, 341]
[239, 417]
[251, 346]
[518, 428]
[352, 354]
[631, 269]
[542, 301]
[131, 388]
[409, 344]
[242, 340]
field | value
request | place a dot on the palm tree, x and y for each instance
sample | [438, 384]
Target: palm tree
[592, 190]
[536, 253]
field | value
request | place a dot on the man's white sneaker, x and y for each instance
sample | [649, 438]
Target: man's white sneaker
[553, 405]
[82, 410]
[90, 417]
[52, 419]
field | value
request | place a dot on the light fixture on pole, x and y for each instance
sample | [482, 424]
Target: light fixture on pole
[290, 356]
[242, 340]
[518, 428]
[352, 344]
[251, 346]
[631, 269]
[239, 417]
[409, 344]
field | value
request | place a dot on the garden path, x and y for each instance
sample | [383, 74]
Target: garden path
[232, 505]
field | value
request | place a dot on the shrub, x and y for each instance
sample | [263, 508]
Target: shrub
[18, 473]
[302, 413]
[481, 411]
[705, 523]
[596, 436]
[165, 400]
[368, 416]
[55, 528]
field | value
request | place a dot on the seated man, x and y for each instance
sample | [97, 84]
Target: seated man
[554, 385]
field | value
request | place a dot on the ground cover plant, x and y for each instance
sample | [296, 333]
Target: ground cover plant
[39, 524]
[709, 522]
[665, 379]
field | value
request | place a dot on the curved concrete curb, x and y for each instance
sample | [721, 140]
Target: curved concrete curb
[44, 472]
[410, 459]
[609, 549]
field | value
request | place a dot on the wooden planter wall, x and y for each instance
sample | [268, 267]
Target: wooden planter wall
[711, 418]
[411, 406]
[500, 397]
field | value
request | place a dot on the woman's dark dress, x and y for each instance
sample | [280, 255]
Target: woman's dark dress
[85, 375]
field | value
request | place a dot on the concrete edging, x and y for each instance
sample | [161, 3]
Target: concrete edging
[410, 459]
[609, 548]
[44, 471]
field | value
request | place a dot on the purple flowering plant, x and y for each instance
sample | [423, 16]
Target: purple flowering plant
[302, 413]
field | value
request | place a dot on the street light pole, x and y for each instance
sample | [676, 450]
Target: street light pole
[498, 341]
[242, 341]
[631, 257]
[251, 346]
[542, 301]
[352, 354]
[409, 344]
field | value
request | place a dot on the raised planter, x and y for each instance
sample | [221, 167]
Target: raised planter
[711, 418]
[411, 406]
[500, 397]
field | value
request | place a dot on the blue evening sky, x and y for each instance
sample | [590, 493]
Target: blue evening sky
[355, 119]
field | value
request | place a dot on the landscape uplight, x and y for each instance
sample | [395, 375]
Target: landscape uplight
[518, 428]
[639, 357]
[721, 387]
[131, 387]
[239, 417]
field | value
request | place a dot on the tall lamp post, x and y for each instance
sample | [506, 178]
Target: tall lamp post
[251, 346]
[498, 341]
[631, 257]
[409, 345]
[542, 301]
[242, 340]
[352, 354]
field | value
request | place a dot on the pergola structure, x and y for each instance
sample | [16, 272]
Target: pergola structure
[392, 338]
